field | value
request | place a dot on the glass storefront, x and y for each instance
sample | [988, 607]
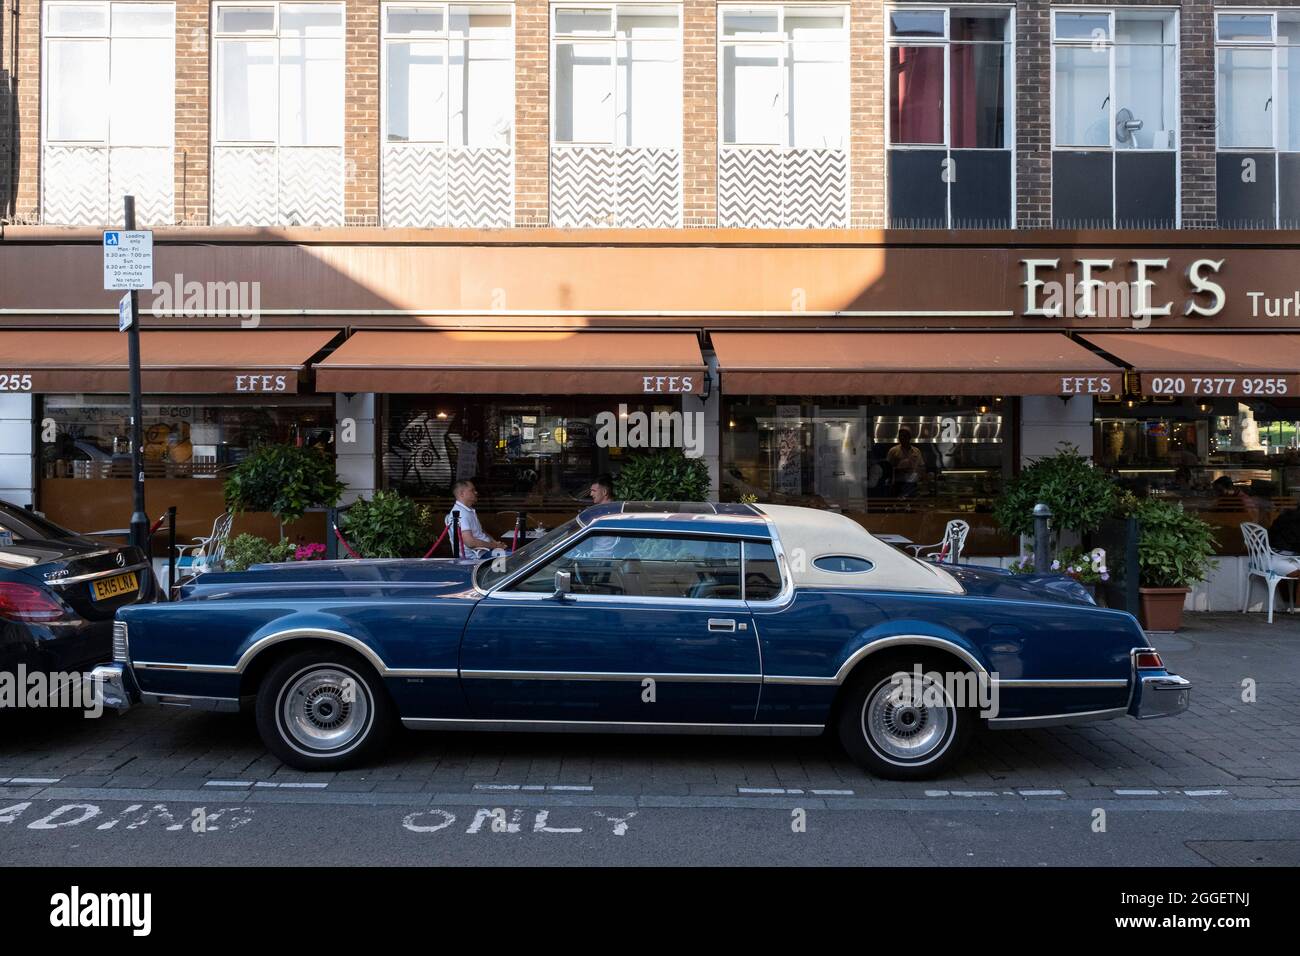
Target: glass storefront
[538, 454]
[184, 436]
[1230, 460]
[902, 466]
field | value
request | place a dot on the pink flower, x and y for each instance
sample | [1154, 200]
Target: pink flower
[309, 552]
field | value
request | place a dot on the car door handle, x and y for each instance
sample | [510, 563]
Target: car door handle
[721, 624]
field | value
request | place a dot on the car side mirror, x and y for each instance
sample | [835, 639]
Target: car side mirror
[563, 584]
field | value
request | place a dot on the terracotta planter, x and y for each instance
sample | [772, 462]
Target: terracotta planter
[1161, 609]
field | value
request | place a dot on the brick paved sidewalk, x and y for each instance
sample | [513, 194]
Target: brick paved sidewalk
[1250, 750]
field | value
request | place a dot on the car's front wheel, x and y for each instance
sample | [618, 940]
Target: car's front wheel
[323, 710]
[902, 725]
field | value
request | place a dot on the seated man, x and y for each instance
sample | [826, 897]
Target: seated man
[475, 542]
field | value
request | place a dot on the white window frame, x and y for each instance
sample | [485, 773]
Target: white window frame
[780, 41]
[1271, 44]
[946, 41]
[611, 37]
[386, 39]
[214, 108]
[1176, 84]
[107, 37]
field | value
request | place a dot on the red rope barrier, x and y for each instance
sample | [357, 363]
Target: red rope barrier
[338, 534]
[445, 529]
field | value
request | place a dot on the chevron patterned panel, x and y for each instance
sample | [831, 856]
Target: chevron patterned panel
[815, 189]
[584, 182]
[311, 186]
[649, 188]
[415, 185]
[480, 187]
[146, 173]
[749, 188]
[243, 186]
[74, 186]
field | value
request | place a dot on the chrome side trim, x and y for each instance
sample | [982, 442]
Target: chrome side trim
[93, 575]
[878, 645]
[611, 727]
[1063, 682]
[1054, 720]
[614, 676]
[188, 668]
[225, 705]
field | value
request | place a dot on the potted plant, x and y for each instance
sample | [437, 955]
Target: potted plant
[1080, 496]
[1086, 567]
[246, 550]
[389, 525]
[1174, 548]
[663, 476]
[285, 480]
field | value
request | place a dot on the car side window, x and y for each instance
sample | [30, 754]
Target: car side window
[627, 565]
[762, 572]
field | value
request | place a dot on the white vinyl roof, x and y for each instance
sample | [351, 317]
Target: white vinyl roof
[808, 534]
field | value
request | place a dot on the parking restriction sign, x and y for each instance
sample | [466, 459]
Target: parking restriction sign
[128, 259]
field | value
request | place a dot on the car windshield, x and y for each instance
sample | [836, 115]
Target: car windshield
[494, 570]
[23, 525]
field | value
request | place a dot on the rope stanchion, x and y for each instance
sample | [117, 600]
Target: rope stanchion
[445, 529]
[344, 541]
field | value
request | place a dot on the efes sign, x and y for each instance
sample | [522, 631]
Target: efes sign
[1107, 288]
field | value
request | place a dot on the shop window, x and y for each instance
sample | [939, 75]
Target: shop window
[1258, 109]
[784, 115]
[616, 108]
[897, 466]
[108, 106]
[949, 118]
[1228, 460]
[448, 114]
[184, 436]
[1115, 119]
[277, 104]
[537, 455]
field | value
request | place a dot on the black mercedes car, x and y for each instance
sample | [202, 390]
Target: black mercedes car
[59, 591]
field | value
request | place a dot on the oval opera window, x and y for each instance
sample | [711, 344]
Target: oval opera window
[842, 564]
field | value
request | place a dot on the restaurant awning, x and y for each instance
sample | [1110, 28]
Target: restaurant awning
[522, 363]
[911, 363]
[250, 361]
[1227, 364]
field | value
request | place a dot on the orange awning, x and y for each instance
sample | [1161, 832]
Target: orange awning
[911, 363]
[521, 363]
[250, 361]
[1228, 364]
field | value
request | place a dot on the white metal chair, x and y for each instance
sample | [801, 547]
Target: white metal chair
[950, 548]
[1261, 562]
[206, 554]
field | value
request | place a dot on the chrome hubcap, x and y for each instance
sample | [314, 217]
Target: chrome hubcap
[899, 720]
[325, 708]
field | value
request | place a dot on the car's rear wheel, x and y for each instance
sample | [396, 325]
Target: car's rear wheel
[902, 726]
[323, 710]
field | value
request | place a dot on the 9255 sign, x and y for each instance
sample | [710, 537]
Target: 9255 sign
[15, 382]
[1230, 386]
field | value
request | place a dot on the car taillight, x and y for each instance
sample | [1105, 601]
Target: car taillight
[23, 602]
[1149, 659]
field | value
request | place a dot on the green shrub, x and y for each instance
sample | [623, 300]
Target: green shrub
[284, 480]
[1080, 496]
[1174, 546]
[666, 475]
[389, 525]
[246, 550]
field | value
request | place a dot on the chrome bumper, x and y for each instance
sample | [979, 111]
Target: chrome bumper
[1162, 696]
[114, 685]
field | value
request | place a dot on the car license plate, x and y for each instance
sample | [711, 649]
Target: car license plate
[106, 588]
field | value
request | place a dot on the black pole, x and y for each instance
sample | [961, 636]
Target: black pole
[1042, 539]
[171, 550]
[455, 533]
[139, 520]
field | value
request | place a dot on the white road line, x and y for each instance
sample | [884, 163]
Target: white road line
[1042, 793]
[303, 786]
[227, 783]
[496, 786]
[764, 791]
[936, 793]
[571, 787]
[34, 779]
[833, 793]
[974, 793]
[1137, 793]
[1206, 793]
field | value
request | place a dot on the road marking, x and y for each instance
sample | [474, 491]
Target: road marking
[974, 793]
[266, 784]
[534, 787]
[1137, 793]
[33, 780]
[833, 793]
[227, 783]
[1206, 793]
[1042, 793]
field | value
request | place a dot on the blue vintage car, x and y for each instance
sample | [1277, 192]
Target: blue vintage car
[679, 618]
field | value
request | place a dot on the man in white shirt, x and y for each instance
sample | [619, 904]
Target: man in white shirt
[474, 540]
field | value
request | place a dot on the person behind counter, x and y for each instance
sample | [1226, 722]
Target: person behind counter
[908, 465]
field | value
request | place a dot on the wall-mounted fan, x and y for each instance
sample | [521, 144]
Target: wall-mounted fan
[1126, 126]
